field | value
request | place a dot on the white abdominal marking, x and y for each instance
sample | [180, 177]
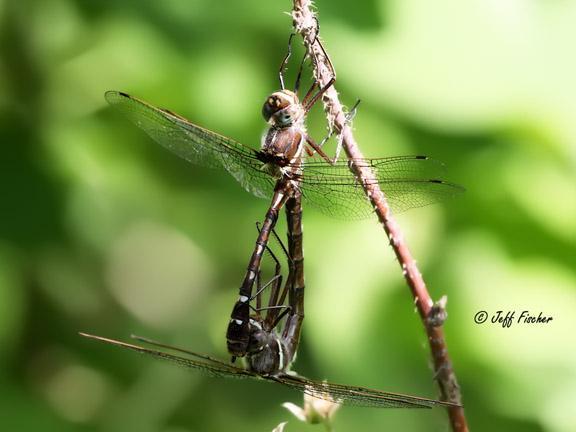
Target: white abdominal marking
[280, 355]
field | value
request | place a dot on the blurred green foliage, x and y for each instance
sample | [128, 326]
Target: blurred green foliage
[101, 230]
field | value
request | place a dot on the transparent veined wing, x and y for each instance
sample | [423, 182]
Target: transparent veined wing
[195, 144]
[344, 394]
[357, 396]
[406, 181]
[202, 363]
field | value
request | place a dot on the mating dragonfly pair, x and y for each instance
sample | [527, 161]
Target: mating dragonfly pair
[279, 170]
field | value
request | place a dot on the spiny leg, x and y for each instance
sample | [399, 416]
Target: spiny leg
[316, 40]
[349, 117]
[261, 290]
[274, 292]
[307, 106]
[281, 300]
[284, 63]
[285, 290]
[275, 304]
[318, 147]
[238, 332]
[299, 75]
[280, 316]
[318, 95]
[309, 93]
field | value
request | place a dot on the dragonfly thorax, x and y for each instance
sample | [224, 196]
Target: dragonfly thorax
[282, 147]
[283, 109]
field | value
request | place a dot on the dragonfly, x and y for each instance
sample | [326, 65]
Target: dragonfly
[282, 167]
[271, 352]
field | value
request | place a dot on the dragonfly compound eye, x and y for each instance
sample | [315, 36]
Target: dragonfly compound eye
[258, 340]
[273, 104]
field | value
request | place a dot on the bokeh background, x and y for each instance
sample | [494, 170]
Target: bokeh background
[102, 230]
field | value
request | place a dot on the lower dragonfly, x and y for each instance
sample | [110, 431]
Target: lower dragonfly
[270, 352]
[279, 169]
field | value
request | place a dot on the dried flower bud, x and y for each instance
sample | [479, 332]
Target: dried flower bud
[316, 410]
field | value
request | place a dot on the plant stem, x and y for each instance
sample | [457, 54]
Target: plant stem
[306, 24]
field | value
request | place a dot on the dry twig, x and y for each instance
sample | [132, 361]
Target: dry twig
[305, 23]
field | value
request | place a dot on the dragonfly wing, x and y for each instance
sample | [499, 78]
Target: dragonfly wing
[358, 396]
[196, 144]
[201, 362]
[407, 167]
[407, 182]
[336, 199]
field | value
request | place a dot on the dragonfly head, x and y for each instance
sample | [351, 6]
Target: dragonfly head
[266, 353]
[258, 337]
[282, 109]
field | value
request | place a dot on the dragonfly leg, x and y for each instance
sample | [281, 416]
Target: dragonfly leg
[278, 240]
[275, 307]
[284, 63]
[279, 317]
[349, 117]
[275, 303]
[309, 103]
[261, 289]
[309, 93]
[282, 246]
[272, 318]
[299, 75]
[318, 147]
[318, 95]
[317, 41]
[238, 332]
[274, 291]
[284, 293]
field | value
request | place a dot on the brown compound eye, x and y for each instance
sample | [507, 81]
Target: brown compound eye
[272, 105]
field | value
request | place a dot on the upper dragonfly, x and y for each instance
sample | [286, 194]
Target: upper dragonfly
[279, 170]
[407, 181]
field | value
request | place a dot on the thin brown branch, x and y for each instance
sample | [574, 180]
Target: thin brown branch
[305, 23]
